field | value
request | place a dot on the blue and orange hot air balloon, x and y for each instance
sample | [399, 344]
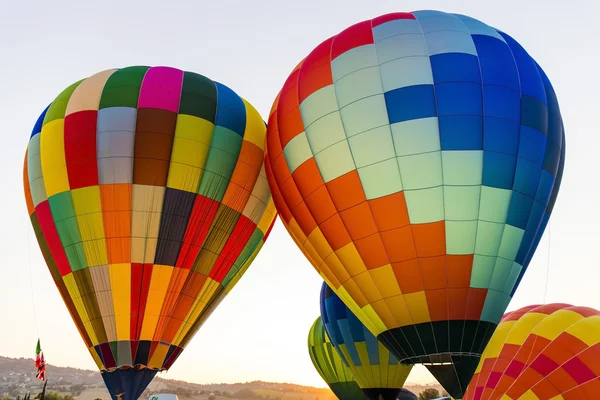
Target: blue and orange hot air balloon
[415, 158]
[377, 371]
[330, 365]
[147, 193]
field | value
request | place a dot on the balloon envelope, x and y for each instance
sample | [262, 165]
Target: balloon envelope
[541, 352]
[375, 369]
[146, 190]
[407, 395]
[330, 366]
[415, 159]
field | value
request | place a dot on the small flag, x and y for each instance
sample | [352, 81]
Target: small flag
[40, 363]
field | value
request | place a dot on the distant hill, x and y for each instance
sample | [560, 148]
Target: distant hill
[17, 377]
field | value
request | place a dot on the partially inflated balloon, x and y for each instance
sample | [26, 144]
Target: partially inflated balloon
[330, 366]
[147, 194]
[541, 352]
[406, 394]
[415, 159]
[378, 373]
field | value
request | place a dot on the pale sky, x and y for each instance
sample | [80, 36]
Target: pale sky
[259, 331]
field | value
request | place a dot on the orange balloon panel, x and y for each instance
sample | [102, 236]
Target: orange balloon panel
[541, 352]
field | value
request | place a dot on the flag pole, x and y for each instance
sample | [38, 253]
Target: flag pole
[44, 389]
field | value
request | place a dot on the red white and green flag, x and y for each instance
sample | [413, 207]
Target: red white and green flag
[40, 363]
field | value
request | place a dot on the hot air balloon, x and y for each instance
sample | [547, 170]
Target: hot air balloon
[415, 159]
[146, 190]
[328, 363]
[541, 352]
[378, 373]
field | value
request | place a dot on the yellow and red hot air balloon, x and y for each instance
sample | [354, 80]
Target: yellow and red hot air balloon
[415, 158]
[547, 351]
[147, 193]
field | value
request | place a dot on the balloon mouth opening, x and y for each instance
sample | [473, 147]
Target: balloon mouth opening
[381, 393]
[136, 367]
[144, 360]
[438, 359]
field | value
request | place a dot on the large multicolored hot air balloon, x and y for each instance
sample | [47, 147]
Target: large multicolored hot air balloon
[330, 366]
[541, 352]
[147, 193]
[378, 373]
[415, 159]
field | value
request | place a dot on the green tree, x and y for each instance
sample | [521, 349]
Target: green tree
[50, 396]
[429, 394]
[77, 389]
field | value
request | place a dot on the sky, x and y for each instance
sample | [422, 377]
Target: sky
[259, 331]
